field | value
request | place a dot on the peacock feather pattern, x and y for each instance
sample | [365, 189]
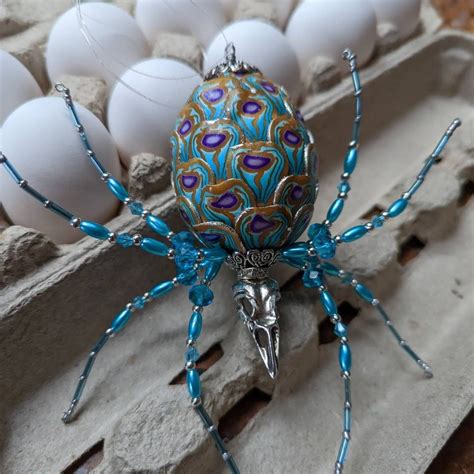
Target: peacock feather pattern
[244, 166]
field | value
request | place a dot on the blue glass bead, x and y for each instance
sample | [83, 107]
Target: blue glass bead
[322, 240]
[340, 330]
[350, 161]
[312, 278]
[191, 355]
[345, 358]
[330, 269]
[354, 233]
[195, 325]
[344, 187]
[188, 279]
[347, 419]
[211, 269]
[158, 225]
[161, 289]
[121, 320]
[136, 208]
[215, 254]
[183, 237]
[378, 221]
[294, 262]
[154, 246]
[335, 210]
[397, 207]
[328, 303]
[125, 240]
[201, 295]
[341, 457]
[139, 302]
[95, 230]
[364, 292]
[296, 251]
[194, 383]
[185, 252]
[347, 278]
[117, 189]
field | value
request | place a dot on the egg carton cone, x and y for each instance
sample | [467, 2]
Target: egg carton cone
[135, 414]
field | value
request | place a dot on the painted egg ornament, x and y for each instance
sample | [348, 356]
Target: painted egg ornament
[243, 162]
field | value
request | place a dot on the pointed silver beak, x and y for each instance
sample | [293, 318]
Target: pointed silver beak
[256, 306]
[267, 339]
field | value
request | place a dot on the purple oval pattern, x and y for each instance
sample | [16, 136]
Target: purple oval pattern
[291, 137]
[189, 180]
[211, 238]
[214, 95]
[213, 140]
[260, 224]
[226, 201]
[256, 162]
[251, 107]
[297, 192]
[185, 127]
[269, 87]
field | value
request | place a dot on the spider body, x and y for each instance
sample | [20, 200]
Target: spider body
[245, 179]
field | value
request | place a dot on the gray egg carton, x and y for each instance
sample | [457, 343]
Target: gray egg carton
[52, 316]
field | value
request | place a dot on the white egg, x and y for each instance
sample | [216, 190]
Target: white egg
[42, 143]
[143, 121]
[17, 85]
[327, 27]
[116, 42]
[403, 14]
[262, 45]
[201, 18]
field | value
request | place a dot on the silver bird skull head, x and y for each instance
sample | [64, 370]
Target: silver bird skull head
[257, 307]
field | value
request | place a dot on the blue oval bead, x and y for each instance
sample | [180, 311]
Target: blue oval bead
[328, 303]
[364, 292]
[354, 233]
[340, 330]
[397, 207]
[215, 255]
[195, 325]
[297, 251]
[121, 320]
[95, 230]
[335, 210]
[154, 246]
[294, 262]
[350, 161]
[161, 289]
[117, 189]
[158, 225]
[211, 269]
[345, 358]
[330, 269]
[194, 383]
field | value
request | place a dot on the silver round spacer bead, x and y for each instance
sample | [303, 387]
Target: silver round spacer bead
[345, 374]
[127, 201]
[47, 203]
[343, 340]
[75, 222]
[195, 402]
[130, 307]
[338, 239]
[197, 309]
[375, 302]
[170, 235]
[369, 226]
[354, 282]
[137, 240]
[352, 144]
[385, 214]
[190, 342]
[190, 365]
[105, 176]
[171, 254]
[23, 183]
[145, 214]
[345, 176]
[406, 196]
[311, 251]
[147, 297]
[79, 127]
[175, 281]
[322, 288]
[200, 256]
[112, 237]
[327, 223]
[342, 195]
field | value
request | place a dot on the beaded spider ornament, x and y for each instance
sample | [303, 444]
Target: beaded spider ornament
[244, 174]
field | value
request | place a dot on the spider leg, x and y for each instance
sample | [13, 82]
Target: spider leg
[399, 205]
[119, 322]
[201, 295]
[350, 160]
[328, 303]
[366, 295]
[94, 229]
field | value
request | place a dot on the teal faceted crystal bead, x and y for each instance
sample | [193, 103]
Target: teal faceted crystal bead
[340, 330]
[139, 302]
[201, 295]
[194, 383]
[185, 253]
[313, 278]
[136, 208]
[345, 357]
[121, 320]
[125, 240]
[191, 355]
[344, 187]
[322, 241]
[378, 221]
[188, 279]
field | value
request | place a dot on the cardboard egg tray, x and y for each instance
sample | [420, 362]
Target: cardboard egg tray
[135, 414]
